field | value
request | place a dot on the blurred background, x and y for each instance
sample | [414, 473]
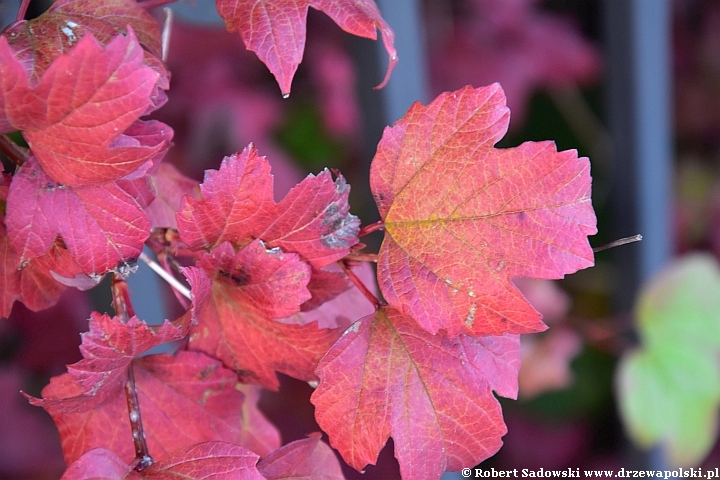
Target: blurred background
[632, 84]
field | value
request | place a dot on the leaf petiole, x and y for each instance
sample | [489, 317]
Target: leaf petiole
[359, 284]
[373, 227]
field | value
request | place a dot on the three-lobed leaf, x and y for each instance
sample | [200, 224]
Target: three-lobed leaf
[237, 205]
[184, 399]
[464, 218]
[433, 394]
[81, 117]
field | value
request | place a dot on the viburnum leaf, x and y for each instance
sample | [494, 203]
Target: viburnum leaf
[313, 220]
[275, 29]
[208, 460]
[66, 21]
[81, 118]
[110, 346]
[184, 400]
[463, 218]
[433, 394]
[669, 390]
[101, 225]
[309, 458]
[249, 289]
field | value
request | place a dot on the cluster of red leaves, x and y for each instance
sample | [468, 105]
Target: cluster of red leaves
[272, 282]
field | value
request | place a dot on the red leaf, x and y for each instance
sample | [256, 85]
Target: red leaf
[110, 346]
[251, 288]
[313, 220]
[275, 30]
[445, 192]
[258, 434]
[432, 394]
[66, 21]
[81, 119]
[102, 225]
[184, 400]
[309, 459]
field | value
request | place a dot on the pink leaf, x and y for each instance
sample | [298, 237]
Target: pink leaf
[432, 394]
[206, 461]
[99, 464]
[101, 225]
[81, 119]
[236, 202]
[251, 288]
[463, 218]
[275, 30]
[313, 220]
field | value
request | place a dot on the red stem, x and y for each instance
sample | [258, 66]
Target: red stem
[360, 285]
[17, 154]
[121, 298]
[362, 257]
[124, 310]
[371, 228]
[23, 10]
[142, 455]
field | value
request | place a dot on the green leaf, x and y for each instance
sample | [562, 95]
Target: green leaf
[669, 389]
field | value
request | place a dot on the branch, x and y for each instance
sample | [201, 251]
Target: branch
[142, 455]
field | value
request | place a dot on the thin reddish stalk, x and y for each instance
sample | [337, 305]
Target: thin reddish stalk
[23, 10]
[121, 298]
[360, 285]
[373, 227]
[362, 257]
[17, 154]
[142, 455]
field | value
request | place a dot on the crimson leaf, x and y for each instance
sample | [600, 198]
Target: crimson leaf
[101, 225]
[275, 29]
[249, 289]
[81, 118]
[387, 377]
[313, 220]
